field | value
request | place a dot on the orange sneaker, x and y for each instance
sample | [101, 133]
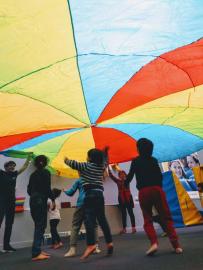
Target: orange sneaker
[40, 257]
[89, 250]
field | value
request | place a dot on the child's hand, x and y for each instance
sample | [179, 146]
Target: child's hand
[106, 149]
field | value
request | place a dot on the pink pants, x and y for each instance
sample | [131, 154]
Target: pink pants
[155, 196]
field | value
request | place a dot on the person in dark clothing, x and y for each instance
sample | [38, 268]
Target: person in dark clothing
[7, 199]
[149, 184]
[125, 199]
[39, 189]
[92, 173]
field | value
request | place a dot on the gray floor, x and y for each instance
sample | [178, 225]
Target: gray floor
[129, 254]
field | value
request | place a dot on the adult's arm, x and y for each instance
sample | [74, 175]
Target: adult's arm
[24, 167]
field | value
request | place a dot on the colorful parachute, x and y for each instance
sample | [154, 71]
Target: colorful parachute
[82, 74]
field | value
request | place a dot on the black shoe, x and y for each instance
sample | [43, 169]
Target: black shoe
[9, 249]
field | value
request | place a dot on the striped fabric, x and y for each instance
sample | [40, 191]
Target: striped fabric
[90, 173]
[19, 204]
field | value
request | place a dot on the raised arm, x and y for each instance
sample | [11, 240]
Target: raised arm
[80, 166]
[106, 155]
[115, 179]
[24, 167]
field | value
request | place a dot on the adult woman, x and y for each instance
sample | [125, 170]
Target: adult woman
[39, 189]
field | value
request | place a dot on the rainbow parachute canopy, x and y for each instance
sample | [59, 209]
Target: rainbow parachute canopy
[81, 74]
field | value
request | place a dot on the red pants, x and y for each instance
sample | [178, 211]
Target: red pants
[155, 196]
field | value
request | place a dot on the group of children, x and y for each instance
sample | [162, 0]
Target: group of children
[151, 197]
[90, 203]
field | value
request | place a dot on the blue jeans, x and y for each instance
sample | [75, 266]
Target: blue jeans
[38, 208]
[94, 210]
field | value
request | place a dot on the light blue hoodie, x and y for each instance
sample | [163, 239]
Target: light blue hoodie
[77, 186]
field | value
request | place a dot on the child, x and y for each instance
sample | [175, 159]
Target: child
[54, 218]
[149, 184]
[78, 218]
[125, 200]
[92, 173]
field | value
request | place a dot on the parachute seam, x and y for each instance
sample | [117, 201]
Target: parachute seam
[49, 106]
[150, 55]
[197, 136]
[74, 133]
[76, 49]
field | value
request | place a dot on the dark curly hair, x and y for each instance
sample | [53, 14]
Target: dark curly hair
[56, 192]
[96, 156]
[8, 163]
[145, 147]
[41, 161]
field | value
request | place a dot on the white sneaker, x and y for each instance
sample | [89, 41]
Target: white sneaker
[71, 252]
[97, 250]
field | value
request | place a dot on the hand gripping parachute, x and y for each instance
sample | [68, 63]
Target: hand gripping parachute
[82, 74]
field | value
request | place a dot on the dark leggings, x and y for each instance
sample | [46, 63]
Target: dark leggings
[124, 208]
[54, 233]
[7, 210]
[38, 210]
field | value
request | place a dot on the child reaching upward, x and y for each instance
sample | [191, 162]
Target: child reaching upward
[125, 199]
[149, 184]
[54, 218]
[92, 173]
[78, 218]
